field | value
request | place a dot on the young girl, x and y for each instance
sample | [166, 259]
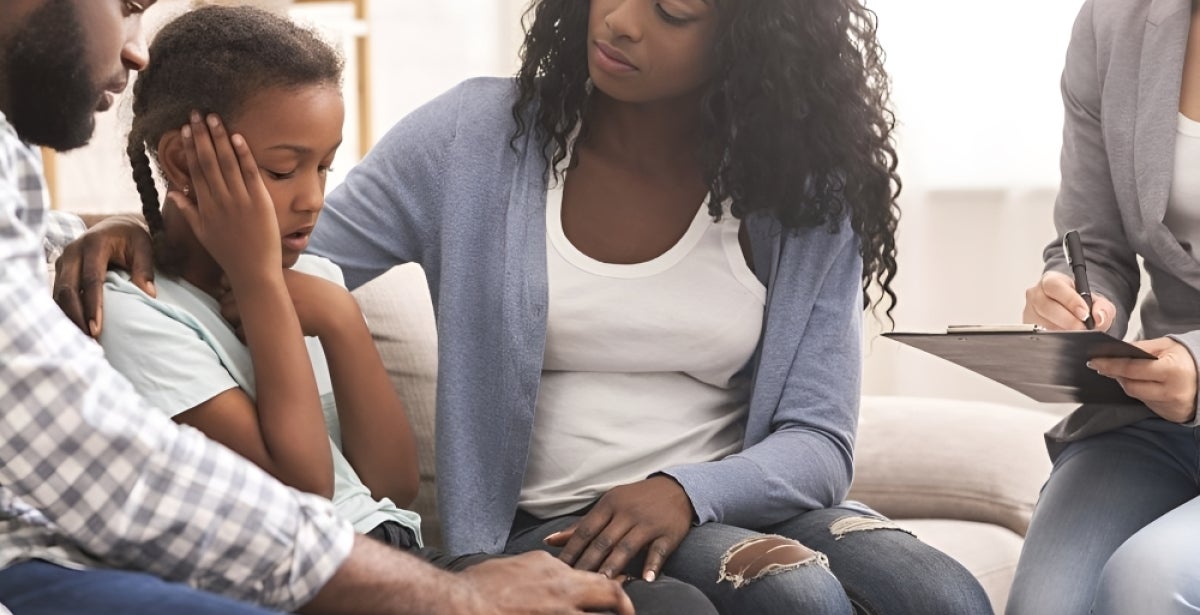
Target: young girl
[319, 414]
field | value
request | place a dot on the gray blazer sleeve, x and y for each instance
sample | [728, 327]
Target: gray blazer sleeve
[1086, 199]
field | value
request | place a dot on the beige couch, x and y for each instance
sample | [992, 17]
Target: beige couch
[963, 476]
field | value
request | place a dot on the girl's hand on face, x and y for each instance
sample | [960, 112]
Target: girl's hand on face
[1054, 304]
[232, 214]
[1167, 385]
[653, 515]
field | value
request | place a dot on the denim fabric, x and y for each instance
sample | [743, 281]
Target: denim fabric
[1115, 528]
[40, 588]
[875, 572]
[665, 596]
[403, 538]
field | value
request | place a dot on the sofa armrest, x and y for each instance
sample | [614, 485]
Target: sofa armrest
[951, 459]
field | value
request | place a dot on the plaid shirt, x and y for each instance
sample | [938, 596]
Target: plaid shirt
[91, 477]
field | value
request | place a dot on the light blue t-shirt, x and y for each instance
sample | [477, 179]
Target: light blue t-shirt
[179, 353]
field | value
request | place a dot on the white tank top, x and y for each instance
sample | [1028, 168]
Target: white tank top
[1183, 205]
[642, 365]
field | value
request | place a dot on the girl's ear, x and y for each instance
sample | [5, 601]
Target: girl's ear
[172, 158]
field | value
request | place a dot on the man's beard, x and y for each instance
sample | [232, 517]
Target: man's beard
[52, 97]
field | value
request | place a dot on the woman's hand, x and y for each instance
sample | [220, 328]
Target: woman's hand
[118, 241]
[1167, 385]
[236, 222]
[1054, 304]
[654, 513]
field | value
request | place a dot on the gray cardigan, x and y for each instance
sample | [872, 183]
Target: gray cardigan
[1121, 89]
[446, 189]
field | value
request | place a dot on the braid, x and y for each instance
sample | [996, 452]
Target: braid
[143, 177]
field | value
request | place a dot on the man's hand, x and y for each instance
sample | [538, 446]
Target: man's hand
[1054, 304]
[376, 580]
[654, 513]
[119, 241]
[1167, 385]
[535, 583]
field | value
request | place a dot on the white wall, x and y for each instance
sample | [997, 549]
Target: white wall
[976, 92]
[421, 49]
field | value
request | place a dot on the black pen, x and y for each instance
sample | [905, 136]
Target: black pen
[1073, 248]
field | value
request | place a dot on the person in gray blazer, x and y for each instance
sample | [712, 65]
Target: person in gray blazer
[1115, 529]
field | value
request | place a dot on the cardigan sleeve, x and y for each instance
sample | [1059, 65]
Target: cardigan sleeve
[805, 461]
[386, 211]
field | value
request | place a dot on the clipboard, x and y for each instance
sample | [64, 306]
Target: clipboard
[1047, 366]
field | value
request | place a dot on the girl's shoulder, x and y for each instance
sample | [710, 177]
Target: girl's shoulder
[320, 267]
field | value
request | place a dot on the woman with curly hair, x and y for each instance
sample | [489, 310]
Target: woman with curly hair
[649, 256]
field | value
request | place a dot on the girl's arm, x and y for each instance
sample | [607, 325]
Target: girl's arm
[376, 436]
[283, 430]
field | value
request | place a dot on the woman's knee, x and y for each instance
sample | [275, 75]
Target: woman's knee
[667, 596]
[1152, 572]
[773, 574]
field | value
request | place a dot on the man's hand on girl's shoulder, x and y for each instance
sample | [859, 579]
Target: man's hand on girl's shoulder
[120, 242]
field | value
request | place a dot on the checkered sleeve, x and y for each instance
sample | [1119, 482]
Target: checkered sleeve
[118, 480]
[61, 229]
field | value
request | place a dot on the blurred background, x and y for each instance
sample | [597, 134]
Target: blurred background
[975, 89]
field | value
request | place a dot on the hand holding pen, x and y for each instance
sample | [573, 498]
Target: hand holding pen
[1060, 302]
[1073, 248]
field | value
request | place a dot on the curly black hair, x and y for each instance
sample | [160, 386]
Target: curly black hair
[796, 119]
[213, 59]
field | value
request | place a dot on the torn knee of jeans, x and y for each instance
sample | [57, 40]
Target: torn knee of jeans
[849, 525]
[760, 556]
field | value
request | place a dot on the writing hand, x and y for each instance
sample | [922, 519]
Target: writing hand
[653, 514]
[1167, 386]
[1054, 304]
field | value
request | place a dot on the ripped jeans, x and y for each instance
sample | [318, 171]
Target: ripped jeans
[868, 567]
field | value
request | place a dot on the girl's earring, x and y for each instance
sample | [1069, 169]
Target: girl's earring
[187, 190]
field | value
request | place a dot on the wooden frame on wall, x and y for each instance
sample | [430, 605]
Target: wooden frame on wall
[363, 51]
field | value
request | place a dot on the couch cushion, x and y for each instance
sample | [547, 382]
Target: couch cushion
[951, 459]
[399, 311]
